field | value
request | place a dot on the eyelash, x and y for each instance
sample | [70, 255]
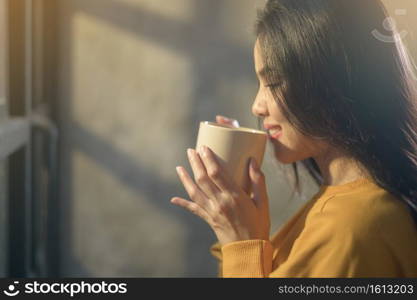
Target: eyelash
[272, 85]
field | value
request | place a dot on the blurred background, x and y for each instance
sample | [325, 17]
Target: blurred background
[99, 100]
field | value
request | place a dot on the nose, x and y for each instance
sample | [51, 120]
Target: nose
[259, 108]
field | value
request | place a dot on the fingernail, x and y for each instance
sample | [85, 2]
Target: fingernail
[254, 164]
[189, 152]
[178, 170]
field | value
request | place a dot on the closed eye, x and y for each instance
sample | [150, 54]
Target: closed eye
[271, 85]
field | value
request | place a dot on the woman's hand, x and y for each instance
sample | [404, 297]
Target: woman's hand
[227, 121]
[231, 213]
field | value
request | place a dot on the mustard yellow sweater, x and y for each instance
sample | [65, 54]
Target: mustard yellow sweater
[352, 230]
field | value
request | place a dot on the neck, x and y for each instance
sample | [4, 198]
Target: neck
[337, 168]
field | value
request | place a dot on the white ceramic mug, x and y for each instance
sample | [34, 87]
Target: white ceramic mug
[233, 148]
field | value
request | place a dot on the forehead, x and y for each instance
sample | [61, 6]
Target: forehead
[258, 57]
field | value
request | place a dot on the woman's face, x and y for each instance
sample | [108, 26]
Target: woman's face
[290, 146]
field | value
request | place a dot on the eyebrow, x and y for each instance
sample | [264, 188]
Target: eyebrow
[263, 72]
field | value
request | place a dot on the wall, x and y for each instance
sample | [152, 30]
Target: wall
[135, 78]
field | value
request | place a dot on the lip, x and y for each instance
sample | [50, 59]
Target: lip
[275, 135]
[270, 126]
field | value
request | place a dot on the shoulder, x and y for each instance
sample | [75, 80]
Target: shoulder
[366, 213]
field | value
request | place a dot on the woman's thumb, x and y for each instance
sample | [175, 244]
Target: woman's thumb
[258, 184]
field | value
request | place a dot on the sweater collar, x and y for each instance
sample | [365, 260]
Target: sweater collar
[359, 184]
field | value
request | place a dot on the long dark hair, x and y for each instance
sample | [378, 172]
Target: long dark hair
[338, 75]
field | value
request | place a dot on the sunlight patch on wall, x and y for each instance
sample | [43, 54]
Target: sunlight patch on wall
[132, 92]
[182, 10]
[116, 230]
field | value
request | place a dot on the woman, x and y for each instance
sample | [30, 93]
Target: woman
[341, 101]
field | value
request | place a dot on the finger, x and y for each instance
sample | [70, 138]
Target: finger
[223, 120]
[257, 178]
[217, 172]
[235, 123]
[226, 121]
[200, 175]
[192, 207]
[192, 189]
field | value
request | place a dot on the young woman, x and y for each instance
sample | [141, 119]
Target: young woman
[340, 100]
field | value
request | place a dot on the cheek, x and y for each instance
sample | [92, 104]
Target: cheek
[292, 146]
[276, 112]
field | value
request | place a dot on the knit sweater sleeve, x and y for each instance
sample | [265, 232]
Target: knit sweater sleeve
[216, 251]
[366, 233]
[249, 258]
[320, 251]
[333, 243]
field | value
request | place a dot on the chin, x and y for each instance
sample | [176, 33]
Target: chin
[285, 159]
[286, 155]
